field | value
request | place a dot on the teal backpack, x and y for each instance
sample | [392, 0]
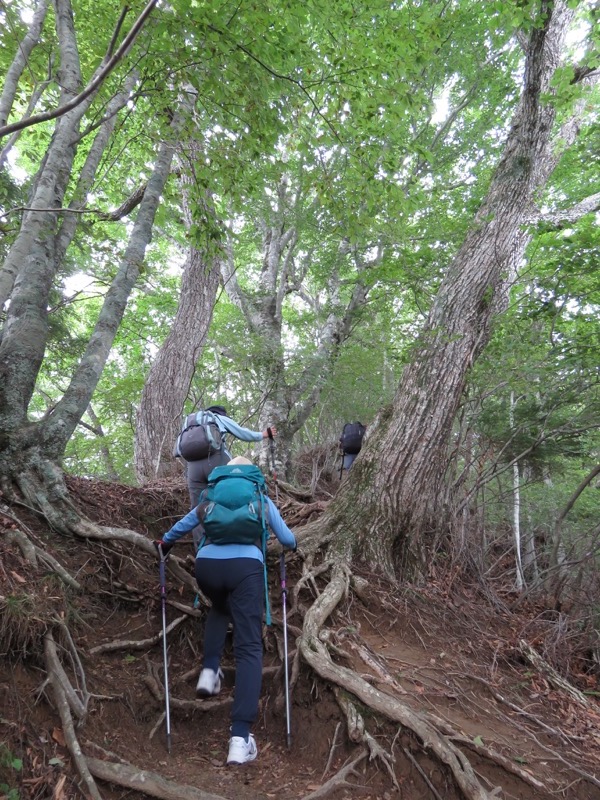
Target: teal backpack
[233, 510]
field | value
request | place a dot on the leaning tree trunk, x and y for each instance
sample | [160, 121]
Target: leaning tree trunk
[168, 382]
[392, 502]
[30, 452]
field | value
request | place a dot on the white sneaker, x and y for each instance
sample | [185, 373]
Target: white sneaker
[241, 751]
[209, 682]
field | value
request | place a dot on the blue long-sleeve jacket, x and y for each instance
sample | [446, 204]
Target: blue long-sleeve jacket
[275, 522]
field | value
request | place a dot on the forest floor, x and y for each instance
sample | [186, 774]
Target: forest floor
[530, 732]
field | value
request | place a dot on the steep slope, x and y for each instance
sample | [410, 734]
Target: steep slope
[86, 615]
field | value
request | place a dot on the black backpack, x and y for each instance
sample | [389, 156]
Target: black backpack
[351, 438]
[200, 437]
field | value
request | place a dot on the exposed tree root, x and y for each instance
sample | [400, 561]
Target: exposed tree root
[67, 722]
[203, 705]
[339, 780]
[316, 596]
[555, 679]
[317, 655]
[568, 739]
[89, 530]
[357, 732]
[136, 644]
[55, 670]
[146, 782]
[374, 663]
[33, 554]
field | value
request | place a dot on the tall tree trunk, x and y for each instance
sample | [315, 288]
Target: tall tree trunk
[392, 501]
[29, 269]
[531, 571]
[35, 449]
[516, 505]
[168, 382]
[288, 404]
[65, 416]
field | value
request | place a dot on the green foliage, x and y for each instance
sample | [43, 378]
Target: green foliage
[387, 121]
[10, 767]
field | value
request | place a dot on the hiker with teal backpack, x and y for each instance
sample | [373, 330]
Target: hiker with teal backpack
[202, 446]
[231, 571]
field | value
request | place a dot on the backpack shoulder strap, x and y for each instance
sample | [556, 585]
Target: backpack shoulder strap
[265, 533]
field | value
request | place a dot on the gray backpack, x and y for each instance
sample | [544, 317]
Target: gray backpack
[200, 437]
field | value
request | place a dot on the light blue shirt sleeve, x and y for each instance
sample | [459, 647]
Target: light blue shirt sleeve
[278, 526]
[275, 520]
[185, 525]
[245, 434]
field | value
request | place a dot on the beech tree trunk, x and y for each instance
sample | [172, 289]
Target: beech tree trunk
[166, 388]
[288, 403]
[393, 505]
[30, 452]
[14, 72]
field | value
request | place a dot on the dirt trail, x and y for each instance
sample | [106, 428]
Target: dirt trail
[444, 654]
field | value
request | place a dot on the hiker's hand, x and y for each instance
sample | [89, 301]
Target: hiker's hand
[162, 548]
[270, 433]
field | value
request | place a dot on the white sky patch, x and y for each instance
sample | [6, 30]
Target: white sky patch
[19, 174]
[27, 15]
[80, 282]
[576, 40]
[441, 106]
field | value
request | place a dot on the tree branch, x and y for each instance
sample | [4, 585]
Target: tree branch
[94, 83]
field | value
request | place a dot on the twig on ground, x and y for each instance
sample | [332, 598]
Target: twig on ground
[421, 772]
[338, 780]
[67, 724]
[159, 722]
[332, 750]
[140, 644]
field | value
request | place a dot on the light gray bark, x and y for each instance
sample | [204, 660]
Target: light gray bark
[519, 579]
[32, 253]
[88, 172]
[288, 405]
[29, 268]
[61, 423]
[33, 101]
[109, 62]
[167, 385]
[19, 62]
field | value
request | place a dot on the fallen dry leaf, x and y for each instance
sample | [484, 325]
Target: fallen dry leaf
[59, 736]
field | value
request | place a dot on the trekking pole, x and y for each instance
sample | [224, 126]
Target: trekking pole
[274, 470]
[288, 728]
[163, 597]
